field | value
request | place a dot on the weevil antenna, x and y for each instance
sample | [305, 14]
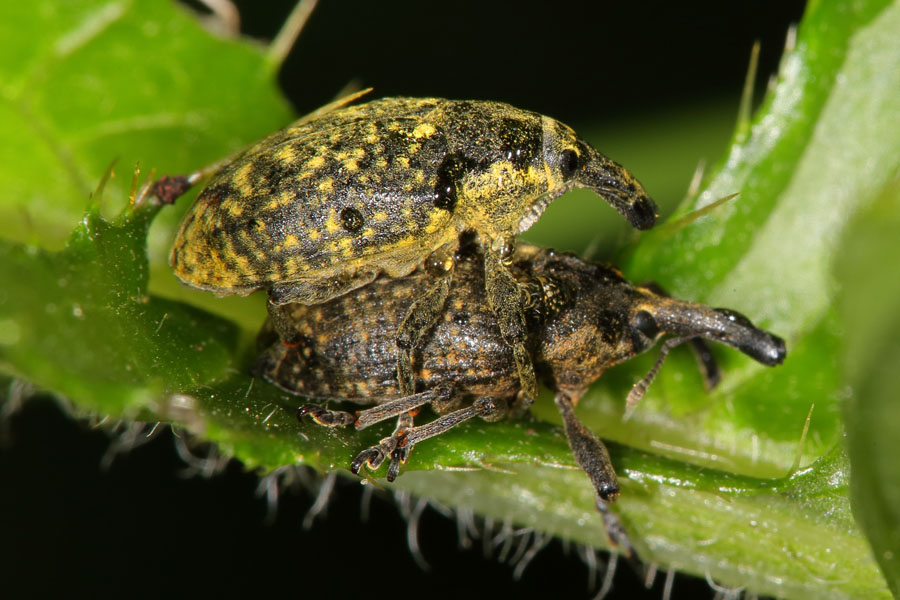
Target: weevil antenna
[640, 388]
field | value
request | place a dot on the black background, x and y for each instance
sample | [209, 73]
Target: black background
[140, 528]
[573, 61]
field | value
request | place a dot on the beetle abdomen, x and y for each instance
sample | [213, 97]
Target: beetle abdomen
[347, 347]
[354, 188]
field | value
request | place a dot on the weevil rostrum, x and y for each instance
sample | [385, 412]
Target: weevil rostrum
[321, 208]
[582, 319]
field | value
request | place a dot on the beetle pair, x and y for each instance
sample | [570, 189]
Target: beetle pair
[583, 318]
[314, 213]
[322, 208]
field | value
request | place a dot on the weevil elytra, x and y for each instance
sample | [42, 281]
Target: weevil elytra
[321, 208]
[583, 319]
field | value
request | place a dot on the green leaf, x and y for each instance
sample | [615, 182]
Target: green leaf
[709, 484]
[113, 348]
[871, 287]
[820, 148]
[87, 82]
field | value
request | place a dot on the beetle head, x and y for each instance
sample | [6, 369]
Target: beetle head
[607, 320]
[575, 163]
[506, 165]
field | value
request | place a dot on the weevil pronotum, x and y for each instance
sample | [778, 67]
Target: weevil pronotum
[583, 319]
[321, 208]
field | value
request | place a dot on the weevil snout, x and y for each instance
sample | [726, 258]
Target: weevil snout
[688, 321]
[722, 325]
[759, 345]
[617, 186]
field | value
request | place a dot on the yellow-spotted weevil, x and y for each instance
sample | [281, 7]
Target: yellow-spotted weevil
[582, 319]
[325, 206]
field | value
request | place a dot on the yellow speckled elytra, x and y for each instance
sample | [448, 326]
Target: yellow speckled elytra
[324, 206]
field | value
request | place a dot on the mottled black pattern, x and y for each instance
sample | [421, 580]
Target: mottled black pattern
[417, 171]
[356, 358]
[583, 319]
[496, 137]
[350, 349]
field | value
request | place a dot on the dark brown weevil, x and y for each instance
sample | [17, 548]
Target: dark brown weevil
[322, 207]
[583, 318]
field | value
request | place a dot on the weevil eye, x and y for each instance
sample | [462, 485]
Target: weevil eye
[569, 163]
[645, 328]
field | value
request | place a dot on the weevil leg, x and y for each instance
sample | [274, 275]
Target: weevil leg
[709, 367]
[590, 453]
[527, 379]
[370, 456]
[419, 319]
[280, 318]
[507, 299]
[384, 408]
[326, 417]
[374, 456]
[392, 408]
[616, 536]
[483, 407]
[593, 458]
[403, 408]
[640, 388]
